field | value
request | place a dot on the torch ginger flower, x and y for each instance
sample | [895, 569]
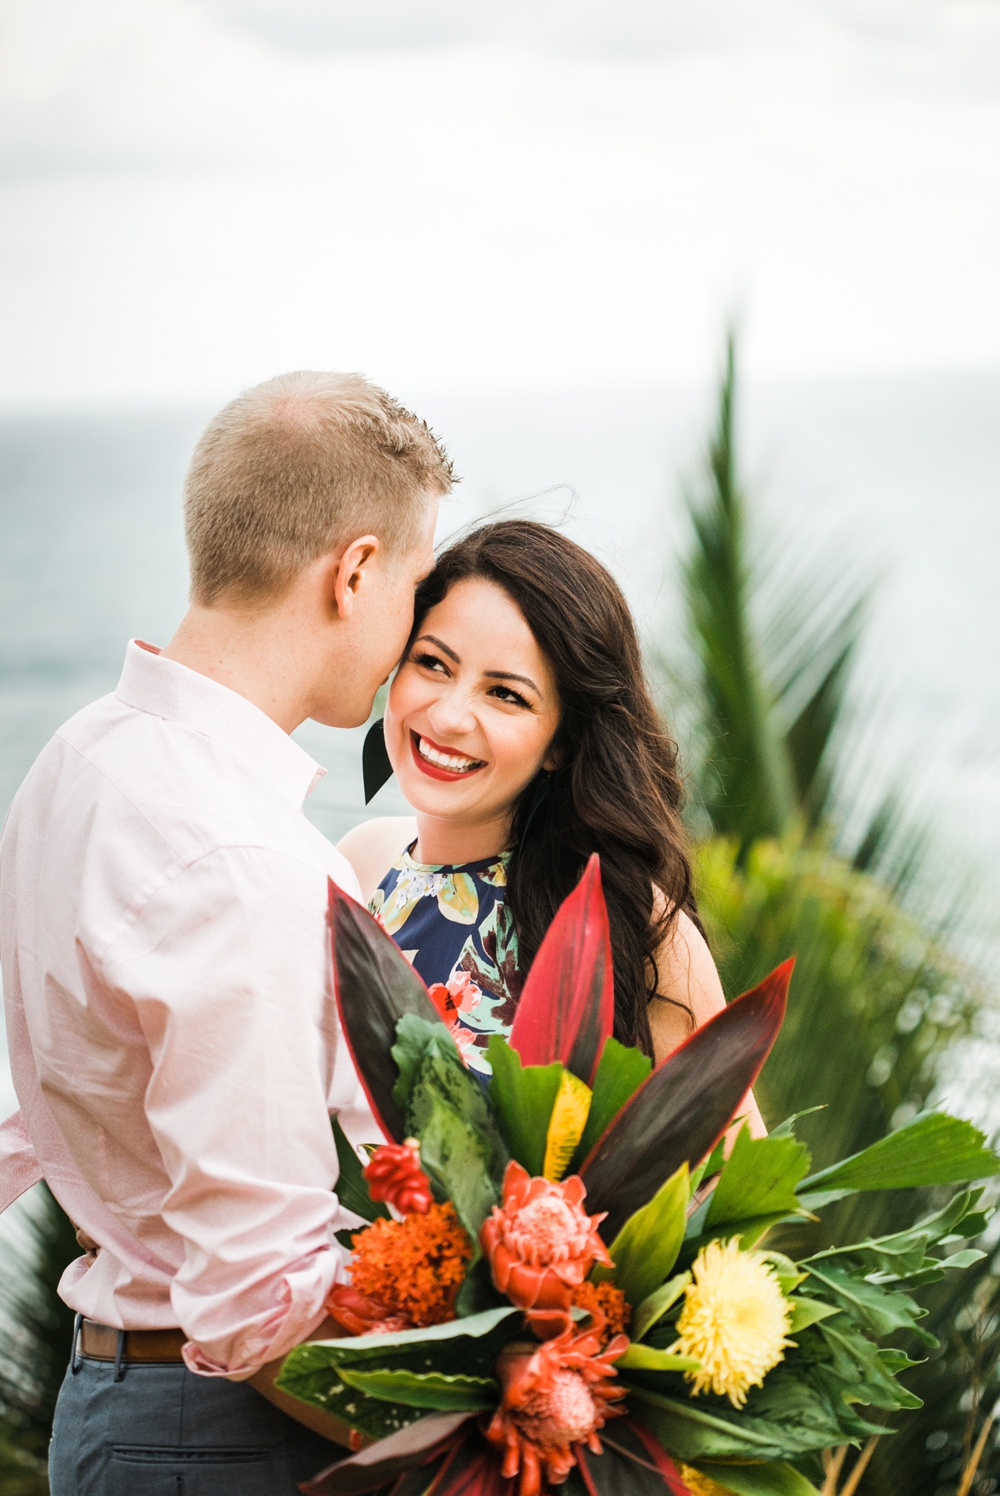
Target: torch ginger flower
[555, 1395]
[539, 1242]
[395, 1176]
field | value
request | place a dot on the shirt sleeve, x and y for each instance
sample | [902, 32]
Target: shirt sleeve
[19, 1166]
[228, 969]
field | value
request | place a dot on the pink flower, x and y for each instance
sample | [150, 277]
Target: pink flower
[539, 1242]
[458, 995]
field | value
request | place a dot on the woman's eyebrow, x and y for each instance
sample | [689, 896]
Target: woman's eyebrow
[443, 647]
[508, 675]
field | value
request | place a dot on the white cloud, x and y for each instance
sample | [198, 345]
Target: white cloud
[189, 206]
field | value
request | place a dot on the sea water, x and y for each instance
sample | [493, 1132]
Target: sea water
[898, 476]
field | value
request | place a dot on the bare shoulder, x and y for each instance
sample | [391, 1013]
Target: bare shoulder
[373, 847]
[687, 974]
[688, 988]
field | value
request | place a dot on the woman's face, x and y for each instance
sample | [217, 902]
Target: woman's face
[473, 708]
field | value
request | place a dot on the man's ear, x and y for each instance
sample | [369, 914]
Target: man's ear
[350, 573]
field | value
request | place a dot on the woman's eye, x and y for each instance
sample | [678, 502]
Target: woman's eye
[430, 662]
[504, 693]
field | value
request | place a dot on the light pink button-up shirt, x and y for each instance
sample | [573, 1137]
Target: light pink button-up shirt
[172, 1031]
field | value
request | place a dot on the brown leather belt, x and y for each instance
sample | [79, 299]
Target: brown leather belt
[100, 1343]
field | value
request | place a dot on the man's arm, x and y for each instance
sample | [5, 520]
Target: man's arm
[228, 970]
[265, 1382]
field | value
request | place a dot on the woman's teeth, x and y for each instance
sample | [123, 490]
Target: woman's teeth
[456, 763]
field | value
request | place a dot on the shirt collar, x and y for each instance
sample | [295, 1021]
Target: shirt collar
[168, 689]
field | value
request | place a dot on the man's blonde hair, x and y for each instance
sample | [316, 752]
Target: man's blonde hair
[295, 467]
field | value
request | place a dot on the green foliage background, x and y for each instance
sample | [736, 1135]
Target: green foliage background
[878, 996]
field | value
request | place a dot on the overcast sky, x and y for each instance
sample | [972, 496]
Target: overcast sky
[452, 195]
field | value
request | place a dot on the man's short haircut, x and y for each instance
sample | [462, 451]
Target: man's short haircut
[293, 468]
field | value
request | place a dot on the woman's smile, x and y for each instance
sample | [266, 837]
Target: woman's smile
[441, 763]
[470, 719]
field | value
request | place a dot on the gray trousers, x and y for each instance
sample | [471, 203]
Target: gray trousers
[162, 1431]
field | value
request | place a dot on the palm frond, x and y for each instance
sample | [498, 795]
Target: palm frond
[36, 1327]
[776, 642]
[746, 782]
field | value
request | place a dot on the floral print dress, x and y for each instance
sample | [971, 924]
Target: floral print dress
[453, 926]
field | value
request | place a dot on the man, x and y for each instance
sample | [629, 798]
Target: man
[164, 948]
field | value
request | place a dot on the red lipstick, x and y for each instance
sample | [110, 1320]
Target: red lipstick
[435, 771]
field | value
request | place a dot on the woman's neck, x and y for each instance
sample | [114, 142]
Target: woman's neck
[451, 843]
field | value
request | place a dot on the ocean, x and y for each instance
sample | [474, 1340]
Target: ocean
[900, 476]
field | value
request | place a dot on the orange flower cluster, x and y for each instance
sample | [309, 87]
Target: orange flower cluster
[414, 1267]
[607, 1306]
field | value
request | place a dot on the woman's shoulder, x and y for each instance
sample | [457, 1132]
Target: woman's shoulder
[373, 847]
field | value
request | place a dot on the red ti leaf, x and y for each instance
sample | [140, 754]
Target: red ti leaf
[567, 1007]
[374, 1467]
[374, 986]
[473, 1468]
[682, 1109]
[633, 1461]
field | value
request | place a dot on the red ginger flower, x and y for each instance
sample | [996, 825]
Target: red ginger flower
[555, 1395]
[360, 1315]
[395, 1176]
[540, 1243]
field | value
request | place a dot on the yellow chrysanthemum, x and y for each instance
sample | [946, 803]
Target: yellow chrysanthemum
[702, 1485]
[734, 1321]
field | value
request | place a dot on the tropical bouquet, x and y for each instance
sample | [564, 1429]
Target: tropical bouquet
[564, 1282]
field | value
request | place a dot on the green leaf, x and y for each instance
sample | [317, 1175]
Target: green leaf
[434, 1069]
[413, 1035]
[932, 1149]
[962, 1259]
[648, 1358]
[759, 1480]
[352, 1190]
[460, 1347]
[878, 1311]
[808, 1312]
[786, 1129]
[759, 1179]
[646, 1247]
[310, 1376]
[652, 1309]
[691, 1433]
[901, 1255]
[455, 1154]
[620, 1073]
[522, 1098]
[428, 1389]
[861, 1371]
[710, 1165]
[786, 1271]
[478, 1294]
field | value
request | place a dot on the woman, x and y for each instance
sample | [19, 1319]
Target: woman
[522, 732]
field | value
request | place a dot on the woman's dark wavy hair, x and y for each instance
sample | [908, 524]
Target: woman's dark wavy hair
[617, 790]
